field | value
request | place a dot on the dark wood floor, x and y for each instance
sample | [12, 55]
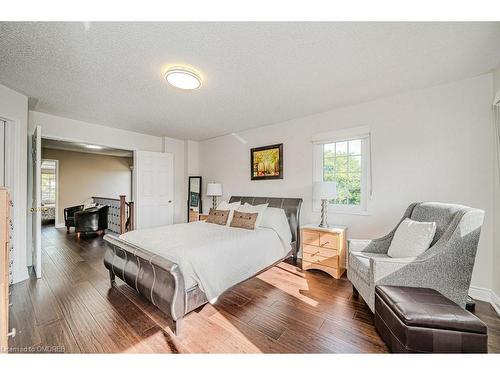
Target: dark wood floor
[284, 310]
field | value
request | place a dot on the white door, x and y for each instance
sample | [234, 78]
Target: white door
[36, 215]
[154, 189]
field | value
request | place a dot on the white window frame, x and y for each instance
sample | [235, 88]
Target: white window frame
[54, 176]
[319, 140]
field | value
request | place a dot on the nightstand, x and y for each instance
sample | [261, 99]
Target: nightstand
[324, 249]
[202, 217]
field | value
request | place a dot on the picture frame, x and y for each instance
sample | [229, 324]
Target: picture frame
[266, 163]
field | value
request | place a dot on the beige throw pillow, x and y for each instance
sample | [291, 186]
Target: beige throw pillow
[244, 220]
[217, 216]
[230, 207]
[259, 209]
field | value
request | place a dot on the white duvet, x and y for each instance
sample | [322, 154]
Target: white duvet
[213, 256]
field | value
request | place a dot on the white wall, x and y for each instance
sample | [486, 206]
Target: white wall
[496, 248]
[186, 163]
[434, 144]
[177, 148]
[193, 158]
[14, 107]
[62, 128]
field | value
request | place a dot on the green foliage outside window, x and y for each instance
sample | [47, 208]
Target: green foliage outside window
[342, 163]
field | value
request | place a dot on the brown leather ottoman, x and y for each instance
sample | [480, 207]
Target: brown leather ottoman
[422, 320]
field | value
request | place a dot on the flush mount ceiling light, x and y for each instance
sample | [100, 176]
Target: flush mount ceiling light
[183, 79]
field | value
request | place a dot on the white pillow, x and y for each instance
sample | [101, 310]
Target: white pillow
[411, 239]
[87, 206]
[87, 203]
[259, 209]
[230, 207]
[275, 218]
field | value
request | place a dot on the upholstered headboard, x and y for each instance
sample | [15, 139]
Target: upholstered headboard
[292, 211]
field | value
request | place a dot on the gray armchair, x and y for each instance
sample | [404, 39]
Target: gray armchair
[446, 266]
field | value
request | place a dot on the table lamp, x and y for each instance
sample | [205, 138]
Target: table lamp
[324, 191]
[214, 190]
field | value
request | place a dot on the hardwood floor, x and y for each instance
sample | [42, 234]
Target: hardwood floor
[72, 309]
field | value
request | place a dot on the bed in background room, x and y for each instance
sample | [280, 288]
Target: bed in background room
[181, 267]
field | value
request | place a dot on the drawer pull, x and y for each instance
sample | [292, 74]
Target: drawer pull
[12, 333]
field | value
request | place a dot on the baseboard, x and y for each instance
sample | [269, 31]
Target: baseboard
[486, 295]
[482, 294]
[495, 302]
[60, 225]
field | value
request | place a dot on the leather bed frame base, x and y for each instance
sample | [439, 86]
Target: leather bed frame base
[161, 282]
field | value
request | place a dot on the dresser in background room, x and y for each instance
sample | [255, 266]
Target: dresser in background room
[324, 249]
[5, 230]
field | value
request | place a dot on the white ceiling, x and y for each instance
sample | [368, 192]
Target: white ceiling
[80, 147]
[254, 74]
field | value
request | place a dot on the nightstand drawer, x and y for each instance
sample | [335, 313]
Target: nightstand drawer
[332, 262]
[310, 237]
[329, 240]
[321, 251]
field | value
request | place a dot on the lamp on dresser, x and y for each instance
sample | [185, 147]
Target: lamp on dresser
[324, 191]
[214, 190]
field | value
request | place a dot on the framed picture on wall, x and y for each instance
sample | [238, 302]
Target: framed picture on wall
[266, 163]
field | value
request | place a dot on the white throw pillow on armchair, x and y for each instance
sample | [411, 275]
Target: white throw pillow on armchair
[411, 238]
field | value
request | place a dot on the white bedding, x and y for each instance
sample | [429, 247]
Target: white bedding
[215, 257]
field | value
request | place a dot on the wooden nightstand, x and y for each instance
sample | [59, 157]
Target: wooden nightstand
[202, 217]
[324, 249]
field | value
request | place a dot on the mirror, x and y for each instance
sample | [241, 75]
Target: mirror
[194, 198]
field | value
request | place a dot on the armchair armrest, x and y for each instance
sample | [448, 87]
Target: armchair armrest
[379, 246]
[382, 267]
[70, 211]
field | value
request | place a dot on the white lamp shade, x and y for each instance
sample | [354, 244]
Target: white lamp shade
[214, 189]
[325, 190]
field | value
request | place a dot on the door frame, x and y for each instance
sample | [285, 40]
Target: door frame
[36, 201]
[19, 216]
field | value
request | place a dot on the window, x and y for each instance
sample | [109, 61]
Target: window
[344, 158]
[48, 180]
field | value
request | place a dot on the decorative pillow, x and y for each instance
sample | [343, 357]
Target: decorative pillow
[259, 209]
[230, 207]
[275, 218]
[87, 206]
[411, 239]
[244, 220]
[217, 216]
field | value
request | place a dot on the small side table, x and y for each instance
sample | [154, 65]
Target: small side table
[324, 249]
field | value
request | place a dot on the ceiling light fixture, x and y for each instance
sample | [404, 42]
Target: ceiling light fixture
[93, 147]
[183, 78]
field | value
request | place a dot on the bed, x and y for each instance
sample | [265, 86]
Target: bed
[178, 286]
